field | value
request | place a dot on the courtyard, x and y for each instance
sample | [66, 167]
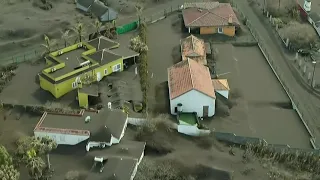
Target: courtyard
[262, 107]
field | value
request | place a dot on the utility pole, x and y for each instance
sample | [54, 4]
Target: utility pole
[314, 71]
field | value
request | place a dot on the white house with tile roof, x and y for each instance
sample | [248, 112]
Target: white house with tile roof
[221, 86]
[191, 89]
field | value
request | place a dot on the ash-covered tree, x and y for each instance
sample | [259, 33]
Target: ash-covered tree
[48, 45]
[139, 44]
[7, 170]
[29, 152]
[80, 31]
[300, 35]
[65, 37]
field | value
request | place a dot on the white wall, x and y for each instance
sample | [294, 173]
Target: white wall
[192, 130]
[60, 138]
[193, 101]
[224, 93]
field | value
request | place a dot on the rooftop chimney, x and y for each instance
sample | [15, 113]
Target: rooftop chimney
[230, 19]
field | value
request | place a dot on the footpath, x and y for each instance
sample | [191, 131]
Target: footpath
[306, 102]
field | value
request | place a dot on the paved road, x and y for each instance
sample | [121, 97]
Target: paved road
[308, 103]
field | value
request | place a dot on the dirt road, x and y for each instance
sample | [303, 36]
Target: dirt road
[308, 104]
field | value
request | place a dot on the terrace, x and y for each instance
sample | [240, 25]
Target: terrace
[69, 60]
[188, 119]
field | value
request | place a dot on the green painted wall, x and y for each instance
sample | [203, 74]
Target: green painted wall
[109, 67]
[83, 100]
[46, 85]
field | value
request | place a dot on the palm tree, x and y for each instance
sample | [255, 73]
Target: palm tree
[65, 36]
[139, 10]
[109, 32]
[35, 167]
[48, 45]
[97, 25]
[79, 30]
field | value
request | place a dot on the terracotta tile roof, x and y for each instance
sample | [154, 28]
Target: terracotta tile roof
[217, 16]
[194, 48]
[220, 84]
[188, 75]
[201, 5]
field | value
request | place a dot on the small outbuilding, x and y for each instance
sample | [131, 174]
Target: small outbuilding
[191, 89]
[103, 12]
[221, 86]
[193, 48]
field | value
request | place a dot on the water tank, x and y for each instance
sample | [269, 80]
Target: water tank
[179, 107]
[307, 5]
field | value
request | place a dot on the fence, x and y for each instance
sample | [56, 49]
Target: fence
[304, 68]
[279, 75]
[37, 52]
[127, 27]
[233, 139]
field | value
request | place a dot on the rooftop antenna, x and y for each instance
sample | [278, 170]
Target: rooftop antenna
[99, 43]
[102, 55]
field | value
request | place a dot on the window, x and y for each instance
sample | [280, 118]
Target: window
[105, 71]
[74, 84]
[220, 30]
[116, 68]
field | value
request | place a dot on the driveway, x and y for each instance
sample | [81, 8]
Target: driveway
[308, 104]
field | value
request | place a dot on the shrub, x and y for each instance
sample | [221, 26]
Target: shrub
[162, 170]
[157, 134]
[299, 35]
[278, 8]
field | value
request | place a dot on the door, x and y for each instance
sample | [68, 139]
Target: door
[205, 111]
[98, 76]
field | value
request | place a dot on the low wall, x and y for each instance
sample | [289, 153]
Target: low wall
[233, 139]
[192, 130]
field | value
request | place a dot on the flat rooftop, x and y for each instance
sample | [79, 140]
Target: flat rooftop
[60, 121]
[112, 120]
[92, 89]
[125, 149]
[71, 59]
[114, 168]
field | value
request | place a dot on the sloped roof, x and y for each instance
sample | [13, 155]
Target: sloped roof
[85, 3]
[192, 47]
[220, 84]
[98, 8]
[194, 16]
[201, 5]
[188, 75]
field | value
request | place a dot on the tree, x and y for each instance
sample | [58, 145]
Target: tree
[30, 150]
[109, 31]
[5, 157]
[7, 170]
[136, 44]
[36, 167]
[97, 24]
[299, 35]
[48, 45]
[79, 29]
[139, 9]
[65, 37]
